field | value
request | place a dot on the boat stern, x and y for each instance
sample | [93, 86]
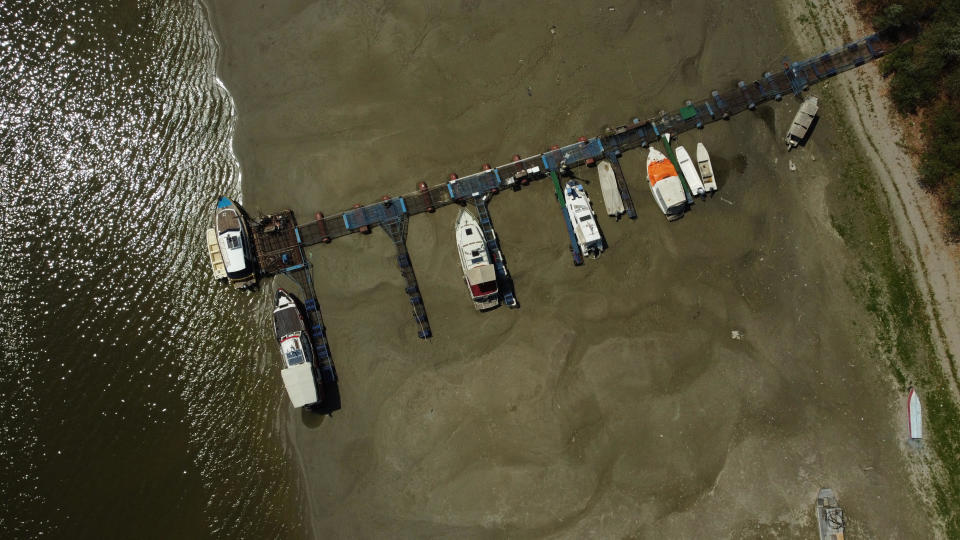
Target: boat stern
[670, 194]
[300, 384]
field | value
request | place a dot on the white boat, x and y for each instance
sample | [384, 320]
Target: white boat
[608, 186]
[665, 185]
[802, 121]
[914, 415]
[233, 239]
[706, 169]
[478, 270]
[299, 373]
[690, 172]
[216, 260]
[583, 219]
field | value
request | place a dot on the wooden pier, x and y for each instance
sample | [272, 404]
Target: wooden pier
[279, 240]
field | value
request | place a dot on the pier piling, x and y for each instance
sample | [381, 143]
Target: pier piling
[396, 229]
[504, 281]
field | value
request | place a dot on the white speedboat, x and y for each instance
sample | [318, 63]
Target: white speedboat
[608, 187]
[665, 185]
[706, 168]
[233, 239]
[914, 415]
[299, 373]
[690, 173]
[478, 270]
[583, 219]
[802, 121]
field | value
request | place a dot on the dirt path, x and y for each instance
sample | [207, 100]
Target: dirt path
[936, 264]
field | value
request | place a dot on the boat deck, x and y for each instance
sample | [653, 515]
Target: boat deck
[287, 322]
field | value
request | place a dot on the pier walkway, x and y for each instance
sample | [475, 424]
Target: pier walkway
[280, 241]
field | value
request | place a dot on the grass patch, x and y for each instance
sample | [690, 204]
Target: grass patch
[884, 283]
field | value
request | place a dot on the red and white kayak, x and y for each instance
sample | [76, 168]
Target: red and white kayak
[914, 415]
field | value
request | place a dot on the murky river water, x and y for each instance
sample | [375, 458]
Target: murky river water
[133, 395]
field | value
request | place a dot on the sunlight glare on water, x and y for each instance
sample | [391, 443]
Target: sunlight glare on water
[136, 392]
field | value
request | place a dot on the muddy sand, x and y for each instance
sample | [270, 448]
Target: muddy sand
[615, 401]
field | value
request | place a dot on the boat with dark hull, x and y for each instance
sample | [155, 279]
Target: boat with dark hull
[235, 243]
[300, 373]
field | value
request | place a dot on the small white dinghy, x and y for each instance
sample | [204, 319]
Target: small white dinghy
[689, 171]
[706, 168]
[608, 185]
[914, 415]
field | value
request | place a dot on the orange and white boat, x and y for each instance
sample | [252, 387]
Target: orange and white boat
[665, 185]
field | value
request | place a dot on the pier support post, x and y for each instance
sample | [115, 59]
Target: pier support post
[504, 281]
[396, 228]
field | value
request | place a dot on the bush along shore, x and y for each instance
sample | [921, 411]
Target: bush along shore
[924, 77]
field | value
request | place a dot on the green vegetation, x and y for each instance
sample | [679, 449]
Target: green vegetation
[925, 79]
[885, 285]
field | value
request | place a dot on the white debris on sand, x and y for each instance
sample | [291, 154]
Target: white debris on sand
[793, 166]
[736, 334]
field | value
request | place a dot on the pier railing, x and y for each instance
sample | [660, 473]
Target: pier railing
[279, 241]
[792, 78]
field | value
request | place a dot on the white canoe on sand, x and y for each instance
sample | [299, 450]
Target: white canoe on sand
[914, 415]
[706, 168]
[689, 171]
[608, 186]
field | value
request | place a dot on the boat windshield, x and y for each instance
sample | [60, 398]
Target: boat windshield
[585, 218]
[295, 357]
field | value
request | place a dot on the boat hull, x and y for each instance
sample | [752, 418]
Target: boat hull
[690, 172]
[665, 186]
[479, 273]
[301, 377]
[914, 415]
[706, 169]
[802, 121]
[216, 259]
[830, 520]
[583, 219]
[608, 186]
[235, 244]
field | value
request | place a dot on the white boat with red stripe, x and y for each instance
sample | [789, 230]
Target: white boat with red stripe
[478, 270]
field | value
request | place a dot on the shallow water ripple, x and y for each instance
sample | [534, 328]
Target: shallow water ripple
[133, 392]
